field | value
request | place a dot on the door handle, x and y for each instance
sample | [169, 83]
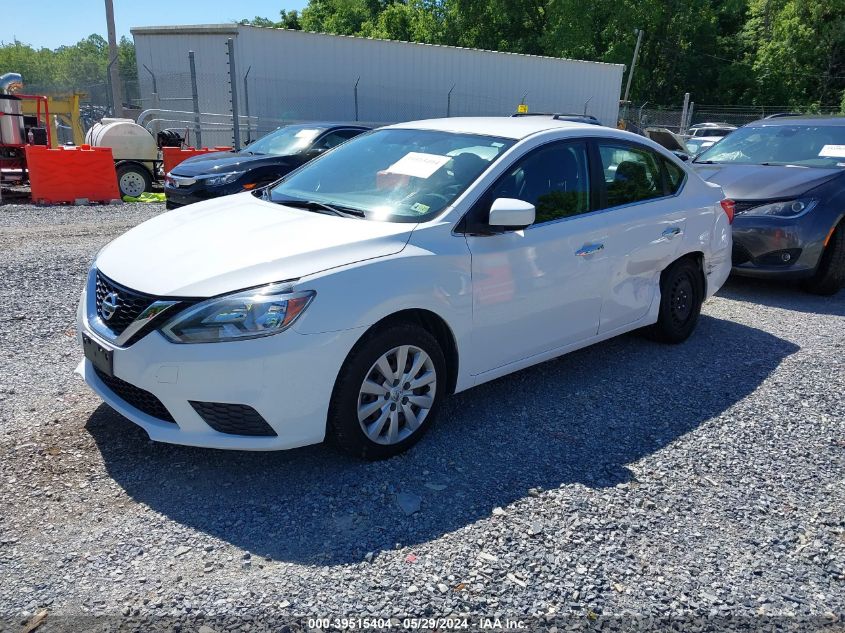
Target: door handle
[671, 232]
[589, 249]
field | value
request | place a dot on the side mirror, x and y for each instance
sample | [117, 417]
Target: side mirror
[315, 151]
[511, 214]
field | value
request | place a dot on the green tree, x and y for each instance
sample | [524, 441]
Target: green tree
[797, 50]
[287, 20]
[78, 67]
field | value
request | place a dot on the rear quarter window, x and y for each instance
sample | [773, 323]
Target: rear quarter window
[675, 176]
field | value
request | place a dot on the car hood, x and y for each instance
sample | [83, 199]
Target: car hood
[239, 241]
[763, 182]
[226, 162]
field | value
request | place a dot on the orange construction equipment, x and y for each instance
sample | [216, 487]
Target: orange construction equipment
[71, 174]
[174, 155]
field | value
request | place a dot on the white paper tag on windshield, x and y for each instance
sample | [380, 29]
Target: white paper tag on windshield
[306, 134]
[418, 164]
[833, 151]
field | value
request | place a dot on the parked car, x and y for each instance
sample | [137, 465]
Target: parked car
[787, 177]
[702, 136]
[717, 130]
[260, 163]
[417, 260]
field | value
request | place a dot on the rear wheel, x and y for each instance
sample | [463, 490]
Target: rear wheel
[388, 392]
[133, 180]
[830, 276]
[681, 296]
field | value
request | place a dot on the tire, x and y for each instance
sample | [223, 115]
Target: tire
[360, 400]
[133, 180]
[830, 275]
[681, 296]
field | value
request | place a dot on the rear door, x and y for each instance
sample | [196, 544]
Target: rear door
[646, 224]
[541, 288]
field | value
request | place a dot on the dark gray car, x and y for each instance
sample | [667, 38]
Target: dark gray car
[787, 178]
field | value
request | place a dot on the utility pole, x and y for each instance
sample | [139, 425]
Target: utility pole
[633, 65]
[684, 111]
[114, 75]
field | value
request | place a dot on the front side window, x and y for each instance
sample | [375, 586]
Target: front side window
[285, 141]
[555, 179]
[630, 174]
[395, 175]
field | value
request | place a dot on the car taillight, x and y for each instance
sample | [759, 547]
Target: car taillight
[728, 206]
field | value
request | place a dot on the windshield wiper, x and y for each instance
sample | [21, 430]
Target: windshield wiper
[706, 162]
[770, 164]
[322, 207]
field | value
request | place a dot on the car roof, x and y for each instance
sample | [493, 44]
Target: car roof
[515, 128]
[799, 120]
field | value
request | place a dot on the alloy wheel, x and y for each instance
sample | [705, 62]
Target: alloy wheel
[397, 394]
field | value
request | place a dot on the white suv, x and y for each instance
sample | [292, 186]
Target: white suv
[414, 261]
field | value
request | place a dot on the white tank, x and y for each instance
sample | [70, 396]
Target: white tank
[128, 140]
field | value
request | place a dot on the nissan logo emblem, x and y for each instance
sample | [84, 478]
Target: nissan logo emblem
[109, 305]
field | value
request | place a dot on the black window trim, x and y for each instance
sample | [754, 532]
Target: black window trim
[598, 187]
[333, 130]
[462, 225]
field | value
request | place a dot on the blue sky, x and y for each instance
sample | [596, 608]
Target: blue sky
[62, 22]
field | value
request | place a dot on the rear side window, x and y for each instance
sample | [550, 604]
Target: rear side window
[674, 176]
[631, 174]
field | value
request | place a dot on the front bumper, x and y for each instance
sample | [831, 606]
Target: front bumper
[782, 248]
[287, 378]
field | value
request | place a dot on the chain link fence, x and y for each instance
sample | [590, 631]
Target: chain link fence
[267, 102]
[643, 117]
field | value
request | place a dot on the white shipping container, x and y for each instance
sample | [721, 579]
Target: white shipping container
[296, 75]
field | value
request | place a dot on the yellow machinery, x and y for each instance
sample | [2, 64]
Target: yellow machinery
[66, 107]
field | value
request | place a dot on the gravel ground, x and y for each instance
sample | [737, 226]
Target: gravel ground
[625, 484]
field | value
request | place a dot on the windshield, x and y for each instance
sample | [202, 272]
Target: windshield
[393, 174]
[285, 141]
[806, 145]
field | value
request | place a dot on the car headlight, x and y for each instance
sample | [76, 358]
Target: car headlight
[223, 179]
[783, 209]
[243, 315]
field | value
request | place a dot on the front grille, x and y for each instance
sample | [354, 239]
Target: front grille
[234, 419]
[137, 397]
[130, 304]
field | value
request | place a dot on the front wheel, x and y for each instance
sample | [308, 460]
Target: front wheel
[681, 296]
[388, 392]
[830, 276]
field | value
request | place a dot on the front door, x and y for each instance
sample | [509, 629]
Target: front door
[541, 288]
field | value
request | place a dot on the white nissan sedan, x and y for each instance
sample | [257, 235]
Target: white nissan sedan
[348, 299]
